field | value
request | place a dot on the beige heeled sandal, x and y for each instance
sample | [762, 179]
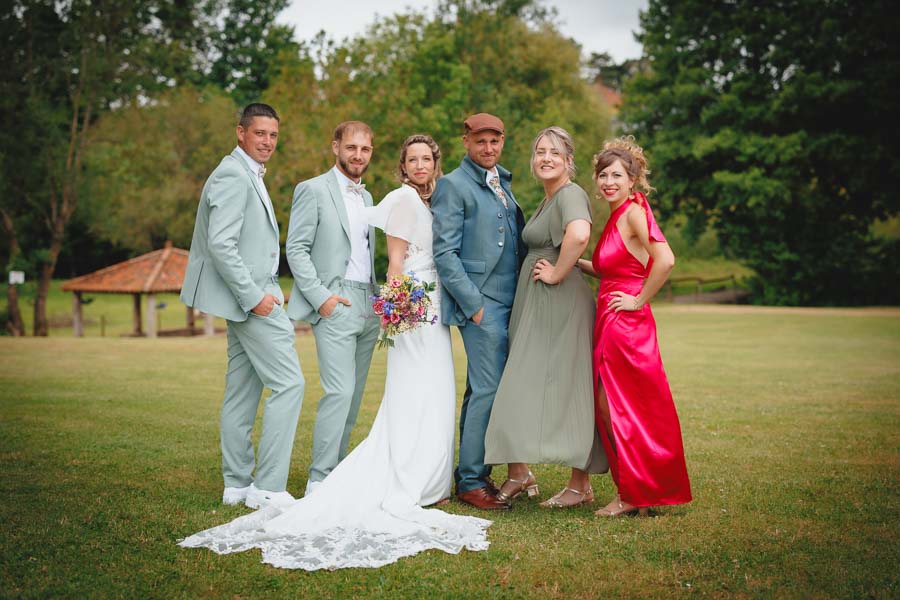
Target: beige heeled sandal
[584, 497]
[619, 509]
[528, 486]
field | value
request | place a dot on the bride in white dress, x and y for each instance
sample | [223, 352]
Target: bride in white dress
[369, 511]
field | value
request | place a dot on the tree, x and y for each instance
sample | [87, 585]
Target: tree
[146, 165]
[767, 120]
[67, 64]
[417, 72]
[601, 68]
[243, 48]
[72, 61]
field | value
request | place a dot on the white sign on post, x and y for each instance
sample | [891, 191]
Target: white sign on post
[16, 277]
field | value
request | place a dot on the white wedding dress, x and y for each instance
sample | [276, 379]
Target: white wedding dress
[369, 511]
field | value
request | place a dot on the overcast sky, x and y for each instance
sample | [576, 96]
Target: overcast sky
[598, 25]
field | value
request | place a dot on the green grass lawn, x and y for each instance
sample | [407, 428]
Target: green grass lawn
[790, 421]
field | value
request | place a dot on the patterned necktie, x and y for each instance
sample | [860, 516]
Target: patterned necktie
[262, 171]
[494, 182]
[356, 188]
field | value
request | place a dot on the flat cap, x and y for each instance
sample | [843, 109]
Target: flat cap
[483, 121]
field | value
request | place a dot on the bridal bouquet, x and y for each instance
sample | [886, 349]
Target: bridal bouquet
[402, 305]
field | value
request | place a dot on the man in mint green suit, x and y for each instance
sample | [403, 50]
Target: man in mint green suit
[232, 273]
[330, 249]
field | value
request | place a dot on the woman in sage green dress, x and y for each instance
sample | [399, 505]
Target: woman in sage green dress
[544, 408]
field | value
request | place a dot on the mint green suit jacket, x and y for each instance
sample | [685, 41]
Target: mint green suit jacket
[234, 245]
[318, 245]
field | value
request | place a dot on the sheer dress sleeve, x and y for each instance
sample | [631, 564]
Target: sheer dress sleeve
[396, 214]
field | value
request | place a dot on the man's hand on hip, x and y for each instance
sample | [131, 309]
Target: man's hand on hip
[328, 306]
[265, 305]
[476, 318]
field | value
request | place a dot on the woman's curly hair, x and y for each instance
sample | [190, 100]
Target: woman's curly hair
[632, 157]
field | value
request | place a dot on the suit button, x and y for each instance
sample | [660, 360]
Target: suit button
[499, 215]
[346, 262]
[500, 243]
[501, 229]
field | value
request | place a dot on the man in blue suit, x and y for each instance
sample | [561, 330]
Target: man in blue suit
[478, 250]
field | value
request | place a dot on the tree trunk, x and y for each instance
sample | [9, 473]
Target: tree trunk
[14, 323]
[64, 195]
[41, 324]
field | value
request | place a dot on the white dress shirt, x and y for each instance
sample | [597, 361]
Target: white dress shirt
[261, 186]
[360, 266]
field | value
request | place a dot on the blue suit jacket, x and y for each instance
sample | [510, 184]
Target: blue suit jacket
[466, 237]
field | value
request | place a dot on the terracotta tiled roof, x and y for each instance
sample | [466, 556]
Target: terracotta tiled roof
[155, 272]
[609, 95]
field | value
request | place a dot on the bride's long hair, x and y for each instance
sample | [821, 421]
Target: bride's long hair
[425, 191]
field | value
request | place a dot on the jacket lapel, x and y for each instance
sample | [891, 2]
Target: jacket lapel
[338, 199]
[367, 200]
[479, 174]
[254, 181]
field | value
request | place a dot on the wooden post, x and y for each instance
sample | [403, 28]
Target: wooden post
[137, 314]
[151, 316]
[77, 317]
[190, 320]
[209, 327]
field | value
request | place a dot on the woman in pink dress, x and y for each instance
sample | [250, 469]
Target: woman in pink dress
[634, 408]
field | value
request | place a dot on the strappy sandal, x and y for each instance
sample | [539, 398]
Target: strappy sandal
[584, 497]
[528, 486]
[619, 510]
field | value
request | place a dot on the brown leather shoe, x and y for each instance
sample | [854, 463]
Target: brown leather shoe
[491, 486]
[482, 498]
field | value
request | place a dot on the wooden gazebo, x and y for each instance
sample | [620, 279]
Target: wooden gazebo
[157, 272]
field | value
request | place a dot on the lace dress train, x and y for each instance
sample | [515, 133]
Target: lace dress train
[369, 511]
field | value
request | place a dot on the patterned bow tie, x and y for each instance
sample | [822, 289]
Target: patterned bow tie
[262, 171]
[494, 182]
[356, 188]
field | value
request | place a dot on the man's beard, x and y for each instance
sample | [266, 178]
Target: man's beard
[346, 168]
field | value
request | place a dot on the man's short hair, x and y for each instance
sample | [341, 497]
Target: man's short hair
[257, 109]
[349, 127]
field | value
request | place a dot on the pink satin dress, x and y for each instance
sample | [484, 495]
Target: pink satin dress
[647, 459]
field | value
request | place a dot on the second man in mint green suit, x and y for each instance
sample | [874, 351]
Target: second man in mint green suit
[232, 273]
[330, 249]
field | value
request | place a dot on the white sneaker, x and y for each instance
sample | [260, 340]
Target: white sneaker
[235, 495]
[257, 498]
[311, 487]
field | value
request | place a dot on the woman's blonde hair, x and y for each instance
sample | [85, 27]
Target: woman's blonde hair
[625, 150]
[562, 142]
[426, 190]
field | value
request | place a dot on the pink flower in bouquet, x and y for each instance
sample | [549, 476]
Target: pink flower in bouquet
[402, 305]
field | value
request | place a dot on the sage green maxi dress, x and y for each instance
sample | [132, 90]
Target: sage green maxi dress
[543, 412]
